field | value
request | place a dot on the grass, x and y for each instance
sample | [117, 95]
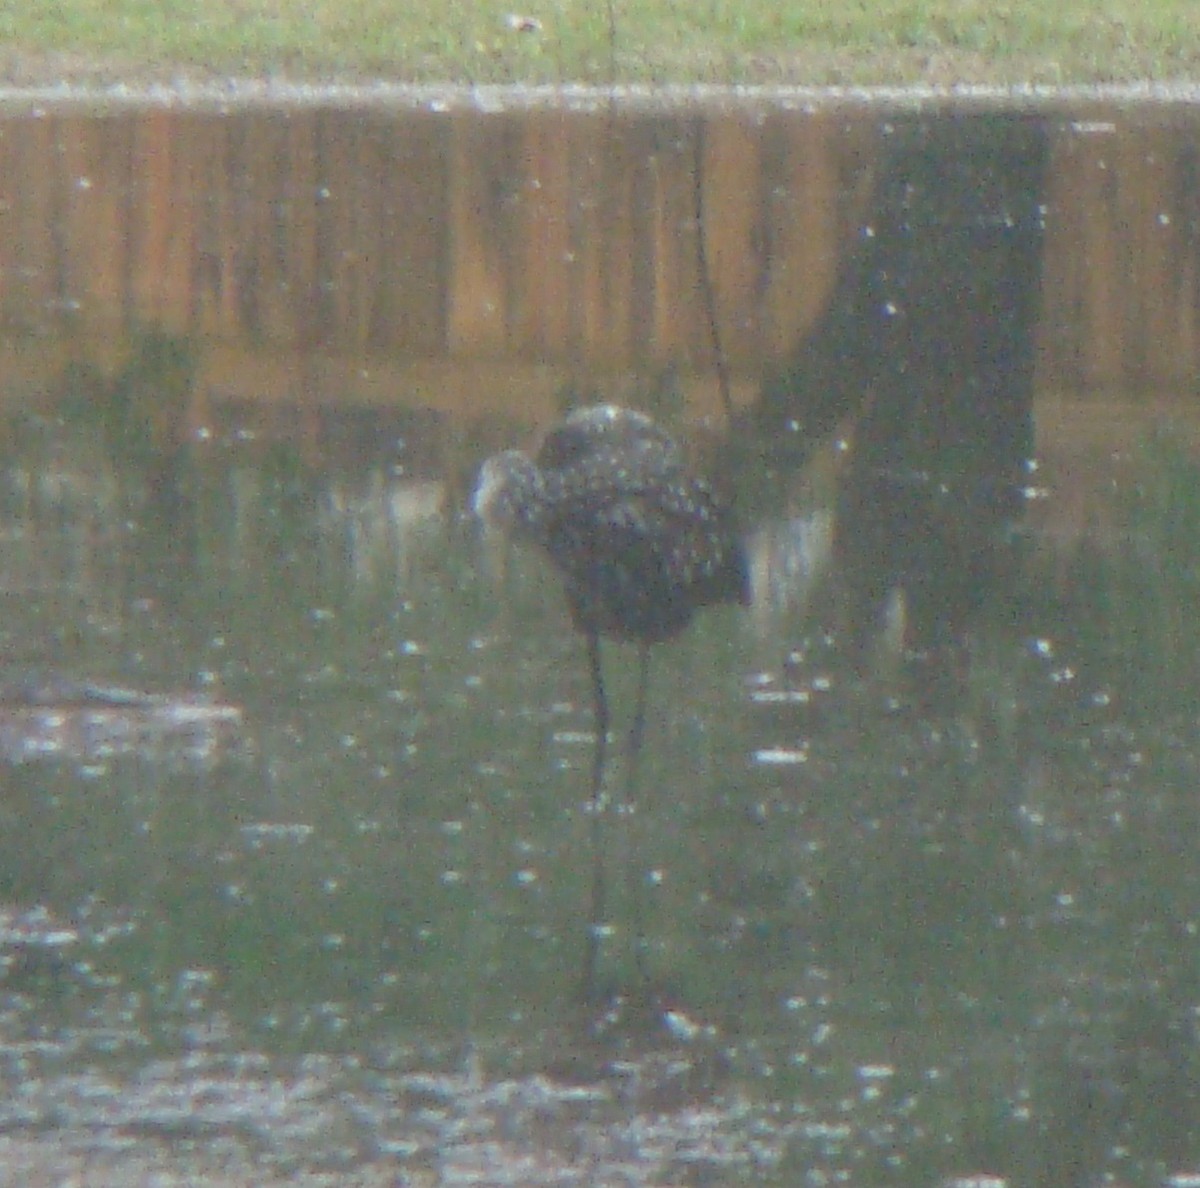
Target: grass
[601, 41]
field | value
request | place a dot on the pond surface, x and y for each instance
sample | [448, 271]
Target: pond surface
[332, 930]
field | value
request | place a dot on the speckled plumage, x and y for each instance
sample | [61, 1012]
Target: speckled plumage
[641, 543]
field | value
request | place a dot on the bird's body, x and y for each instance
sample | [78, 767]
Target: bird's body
[641, 543]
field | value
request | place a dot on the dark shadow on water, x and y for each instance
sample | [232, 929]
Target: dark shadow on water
[924, 363]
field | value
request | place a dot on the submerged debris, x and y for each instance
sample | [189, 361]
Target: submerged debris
[59, 718]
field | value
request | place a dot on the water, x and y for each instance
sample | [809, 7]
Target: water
[894, 937]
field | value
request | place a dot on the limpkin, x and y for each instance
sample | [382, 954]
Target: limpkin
[642, 543]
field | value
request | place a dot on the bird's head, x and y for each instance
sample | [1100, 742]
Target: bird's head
[504, 490]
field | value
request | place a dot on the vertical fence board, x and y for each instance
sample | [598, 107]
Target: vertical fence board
[482, 190]
[309, 313]
[92, 181]
[12, 132]
[411, 232]
[344, 279]
[224, 309]
[160, 220]
[587, 159]
[1147, 166]
[33, 198]
[735, 230]
[209, 246]
[805, 195]
[679, 313]
[544, 325]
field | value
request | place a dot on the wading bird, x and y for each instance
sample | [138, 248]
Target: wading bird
[641, 543]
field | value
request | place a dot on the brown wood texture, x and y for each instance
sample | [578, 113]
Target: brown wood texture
[548, 242]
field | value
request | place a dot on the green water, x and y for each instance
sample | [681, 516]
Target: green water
[885, 942]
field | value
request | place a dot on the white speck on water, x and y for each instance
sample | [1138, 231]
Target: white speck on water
[781, 697]
[780, 756]
[574, 738]
[683, 1028]
[876, 1072]
[259, 832]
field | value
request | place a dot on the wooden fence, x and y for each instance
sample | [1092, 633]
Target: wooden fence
[394, 243]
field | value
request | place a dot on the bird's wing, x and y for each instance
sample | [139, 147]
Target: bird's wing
[672, 533]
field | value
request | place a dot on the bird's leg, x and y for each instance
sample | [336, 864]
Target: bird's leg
[637, 732]
[599, 721]
[598, 907]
